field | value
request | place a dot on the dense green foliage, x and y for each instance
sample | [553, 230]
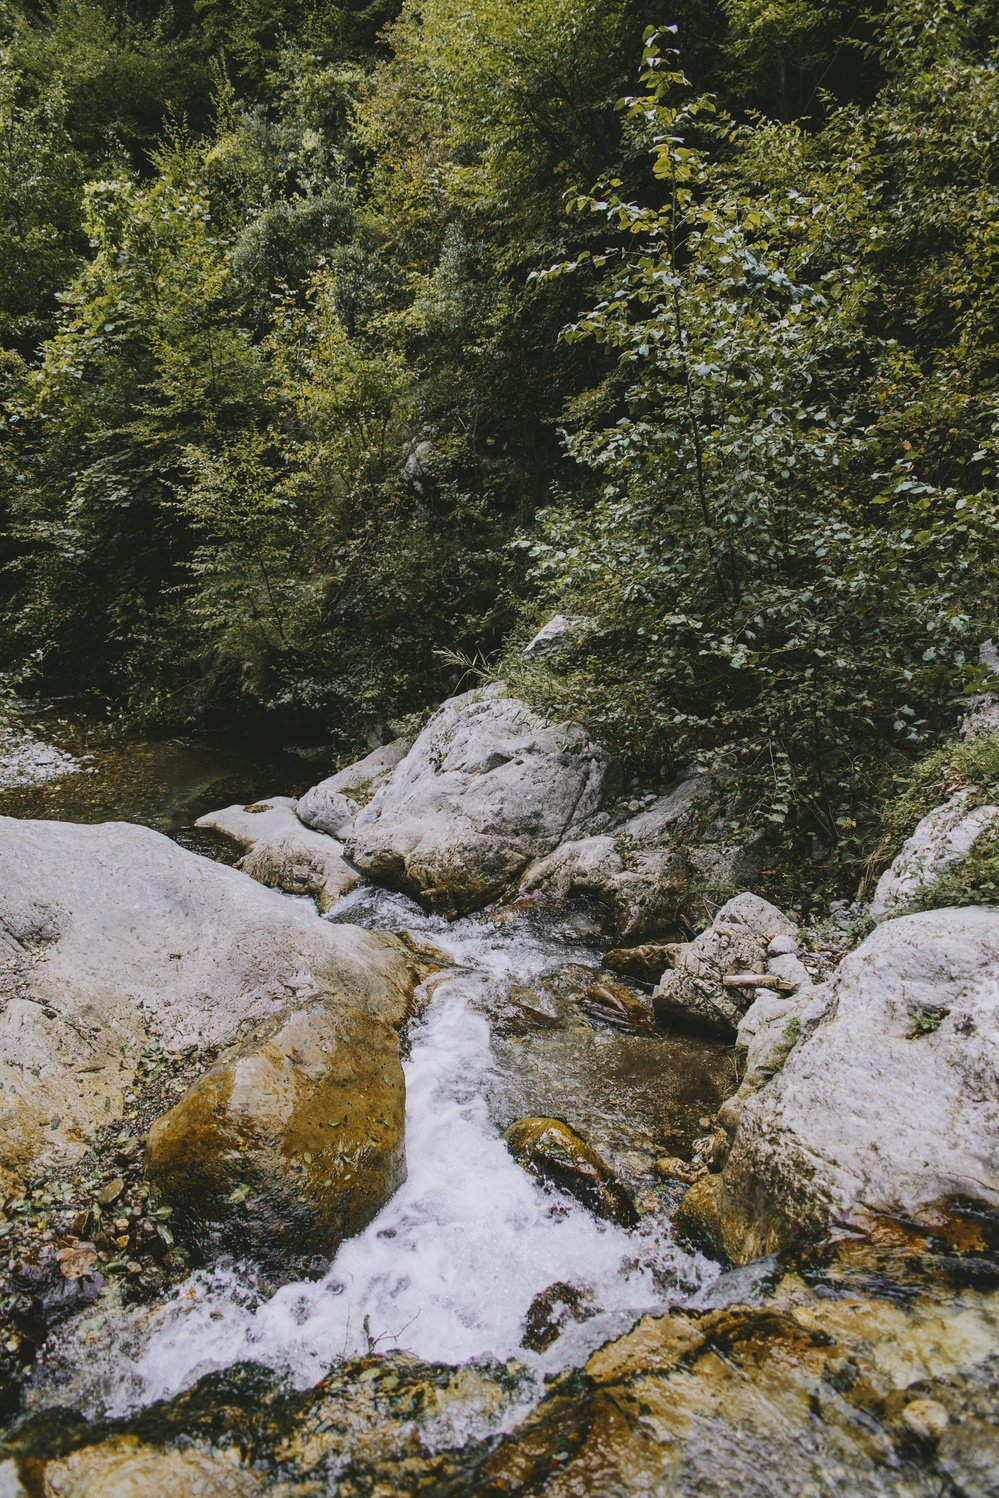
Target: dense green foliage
[301, 404]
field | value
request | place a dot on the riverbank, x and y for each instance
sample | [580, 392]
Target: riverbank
[686, 1197]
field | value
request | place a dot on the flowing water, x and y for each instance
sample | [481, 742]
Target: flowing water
[471, 1252]
[161, 783]
[449, 1268]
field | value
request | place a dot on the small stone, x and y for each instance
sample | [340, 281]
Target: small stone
[783, 946]
[552, 1310]
[705, 1122]
[926, 1419]
[111, 1192]
[672, 1168]
[76, 1261]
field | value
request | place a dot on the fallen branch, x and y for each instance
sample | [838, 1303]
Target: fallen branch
[759, 980]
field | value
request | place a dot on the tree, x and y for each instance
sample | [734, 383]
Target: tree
[762, 564]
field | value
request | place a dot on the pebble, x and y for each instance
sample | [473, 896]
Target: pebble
[26, 761]
[783, 946]
[925, 1418]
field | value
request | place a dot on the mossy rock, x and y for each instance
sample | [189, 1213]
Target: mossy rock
[553, 1153]
[288, 1145]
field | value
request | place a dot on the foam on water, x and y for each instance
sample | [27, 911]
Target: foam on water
[450, 1266]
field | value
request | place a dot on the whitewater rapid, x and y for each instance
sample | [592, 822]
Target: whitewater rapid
[449, 1268]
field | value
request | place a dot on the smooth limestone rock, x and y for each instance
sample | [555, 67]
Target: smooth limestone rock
[332, 805]
[641, 871]
[889, 1101]
[944, 837]
[289, 1145]
[693, 992]
[552, 1152]
[284, 854]
[112, 937]
[487, 787]
[768, 1032]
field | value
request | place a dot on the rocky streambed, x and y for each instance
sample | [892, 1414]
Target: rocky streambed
[508, 1142]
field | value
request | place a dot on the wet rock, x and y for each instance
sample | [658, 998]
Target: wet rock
[672, 1168]
[626, 1087]
[891, 1100]
[386, 1425]
[769, 1401]
[549, 1150]
[112, 938]
[284, 854]
[332, 805]
[619, 1006]
[288, 1146]
[53, 1287]
[647, 963]
[551, 1312]
[519, 1010]
[942, 839]
[805, 1394]
[486, 788]
[694, 991]
[126, 1467]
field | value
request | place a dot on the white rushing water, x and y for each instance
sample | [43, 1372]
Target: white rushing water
[449, 1268]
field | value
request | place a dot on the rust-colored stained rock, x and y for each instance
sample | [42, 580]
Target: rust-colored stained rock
[127, 1468]
[768, 1401]
[647, 962]
[290, 1144]
[553, 1153]
[619, 1006]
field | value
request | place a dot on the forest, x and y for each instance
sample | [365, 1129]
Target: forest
[343, 345]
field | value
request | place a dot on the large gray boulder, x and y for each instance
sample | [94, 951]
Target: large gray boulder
[888, 1102]
[112, 937]
[332, 805]
[284, 854]
[641, 870]
[488, 787]
[698, 990]
[944, 837]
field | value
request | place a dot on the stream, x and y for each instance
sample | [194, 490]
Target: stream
[443, 1349]
[449, 1269]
